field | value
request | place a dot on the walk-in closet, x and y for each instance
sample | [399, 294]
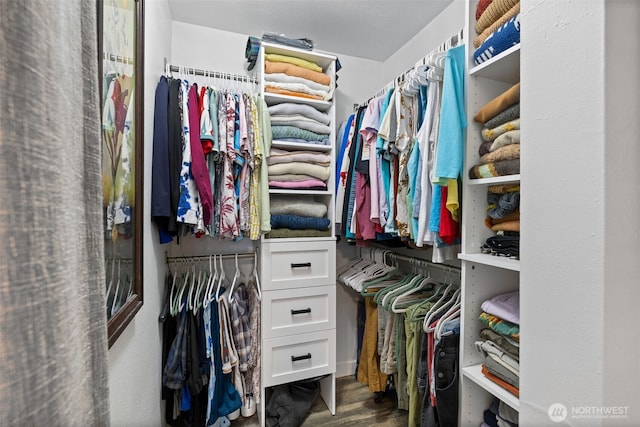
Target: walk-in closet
[318, 213]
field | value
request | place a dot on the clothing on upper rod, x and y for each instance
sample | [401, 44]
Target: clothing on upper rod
[208, 174]
[401, 159]
[211, 363]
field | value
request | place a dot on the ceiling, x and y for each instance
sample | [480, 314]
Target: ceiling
[363, 28]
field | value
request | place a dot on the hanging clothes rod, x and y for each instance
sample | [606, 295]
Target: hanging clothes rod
[202, 258]
[215, 74]
[428, 264]
[117, 58]
[449, 42]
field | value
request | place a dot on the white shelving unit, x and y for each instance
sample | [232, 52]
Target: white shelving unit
[298, 274]
[483, 275]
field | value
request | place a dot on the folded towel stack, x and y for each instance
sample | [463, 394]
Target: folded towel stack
[498, 28]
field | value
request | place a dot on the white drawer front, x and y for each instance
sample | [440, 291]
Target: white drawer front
[298, 264]
[296, 357]
[298, 311]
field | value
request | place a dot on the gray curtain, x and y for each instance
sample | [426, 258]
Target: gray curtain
[53, 347]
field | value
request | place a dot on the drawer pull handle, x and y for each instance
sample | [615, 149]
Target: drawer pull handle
[303, 311]
[303, 357]
[301, 265]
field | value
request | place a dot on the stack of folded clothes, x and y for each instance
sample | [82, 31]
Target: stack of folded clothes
[497, 26]
[298, 170]
[289, 75]
[500, 151]
[293, 216]
[500, 344]
[503, 207]
[499, 414]
[300, 123]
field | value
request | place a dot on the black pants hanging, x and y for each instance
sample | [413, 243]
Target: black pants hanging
[445, 360]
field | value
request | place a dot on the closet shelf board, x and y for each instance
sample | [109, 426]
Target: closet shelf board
[474, 373]
[507, 179]
[303, 192]
[492, 260]
[504, 67]
[275, 98]
[300, 146]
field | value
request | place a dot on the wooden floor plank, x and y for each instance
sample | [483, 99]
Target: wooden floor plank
[355, 406]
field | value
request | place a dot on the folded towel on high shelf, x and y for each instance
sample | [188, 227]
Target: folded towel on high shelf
[477, 42]
[493, 12]
[503, 38]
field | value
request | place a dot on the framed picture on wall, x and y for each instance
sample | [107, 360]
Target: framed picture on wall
[120, 42]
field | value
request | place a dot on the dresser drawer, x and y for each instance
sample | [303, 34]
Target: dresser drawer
[296, 357]
[298, 264]
[298, 311]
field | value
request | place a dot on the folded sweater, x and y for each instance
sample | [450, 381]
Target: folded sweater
[498, 104]
[291, 108]
[309, 65]
[300, 168]
[294, 70]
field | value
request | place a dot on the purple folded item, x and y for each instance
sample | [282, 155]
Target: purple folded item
[505, 306]
[305, 184]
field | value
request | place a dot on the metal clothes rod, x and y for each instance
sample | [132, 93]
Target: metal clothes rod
[429, 264]
[214, 74]
[201, 258]
[452, 41]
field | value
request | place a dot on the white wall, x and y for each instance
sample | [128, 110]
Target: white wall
[579, 267]
[446, 24]
[136, 357]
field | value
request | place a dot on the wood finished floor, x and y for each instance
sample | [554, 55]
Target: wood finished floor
[355, 407]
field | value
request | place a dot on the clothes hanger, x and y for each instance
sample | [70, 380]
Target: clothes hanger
[235, 279]
[213, 276]
[220, 280]
[256, 275]
[441, 305]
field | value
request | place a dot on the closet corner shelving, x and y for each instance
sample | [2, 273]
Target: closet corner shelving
[483, 275]
[298, 274]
